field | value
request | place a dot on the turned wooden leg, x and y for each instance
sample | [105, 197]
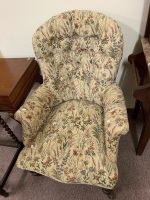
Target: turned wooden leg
[110, 193]
[9, 132]
[13, 161]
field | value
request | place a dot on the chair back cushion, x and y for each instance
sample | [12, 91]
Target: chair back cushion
[79, 53]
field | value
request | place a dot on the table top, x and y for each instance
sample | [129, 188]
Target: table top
[11, 71]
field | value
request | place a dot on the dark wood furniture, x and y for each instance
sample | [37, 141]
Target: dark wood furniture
[141, 71]
[17, 76]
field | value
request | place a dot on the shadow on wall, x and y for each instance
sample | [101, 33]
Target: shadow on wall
[126, 81]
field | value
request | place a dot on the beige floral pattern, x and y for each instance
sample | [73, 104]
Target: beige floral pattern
[73, 122]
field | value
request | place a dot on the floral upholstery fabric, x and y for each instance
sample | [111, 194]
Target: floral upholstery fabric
[73, 122]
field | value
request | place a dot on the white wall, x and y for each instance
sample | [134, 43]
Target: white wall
[20, 19]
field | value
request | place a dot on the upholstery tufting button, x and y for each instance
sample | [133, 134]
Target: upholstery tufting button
[23, 109]
[108, 121]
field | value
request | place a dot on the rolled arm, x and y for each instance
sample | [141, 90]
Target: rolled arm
[34, 112]
[115, 119]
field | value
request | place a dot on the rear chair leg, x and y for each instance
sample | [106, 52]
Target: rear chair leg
[35, 173]
[110, 193]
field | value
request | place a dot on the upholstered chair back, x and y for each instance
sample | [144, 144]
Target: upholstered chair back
[79, 52]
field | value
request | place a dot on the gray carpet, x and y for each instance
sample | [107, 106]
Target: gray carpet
[133, 183]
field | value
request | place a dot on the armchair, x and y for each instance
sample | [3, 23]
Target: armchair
[73, 122]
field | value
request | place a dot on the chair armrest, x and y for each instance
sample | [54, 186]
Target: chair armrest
[115, 119]
[34, 112]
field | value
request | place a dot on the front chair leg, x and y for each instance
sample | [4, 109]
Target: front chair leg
[3, 193]
[110, 193]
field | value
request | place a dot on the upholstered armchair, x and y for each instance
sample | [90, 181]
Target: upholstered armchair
[72, 123]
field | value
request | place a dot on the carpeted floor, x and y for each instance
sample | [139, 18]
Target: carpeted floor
[133, 183]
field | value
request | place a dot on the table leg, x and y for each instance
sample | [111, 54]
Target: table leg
[11, 165]
[145, 135]
[136, 109]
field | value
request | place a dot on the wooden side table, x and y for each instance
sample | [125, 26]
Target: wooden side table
[141, 70]
[17, 76]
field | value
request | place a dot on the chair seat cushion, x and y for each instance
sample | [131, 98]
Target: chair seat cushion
[70, 147]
